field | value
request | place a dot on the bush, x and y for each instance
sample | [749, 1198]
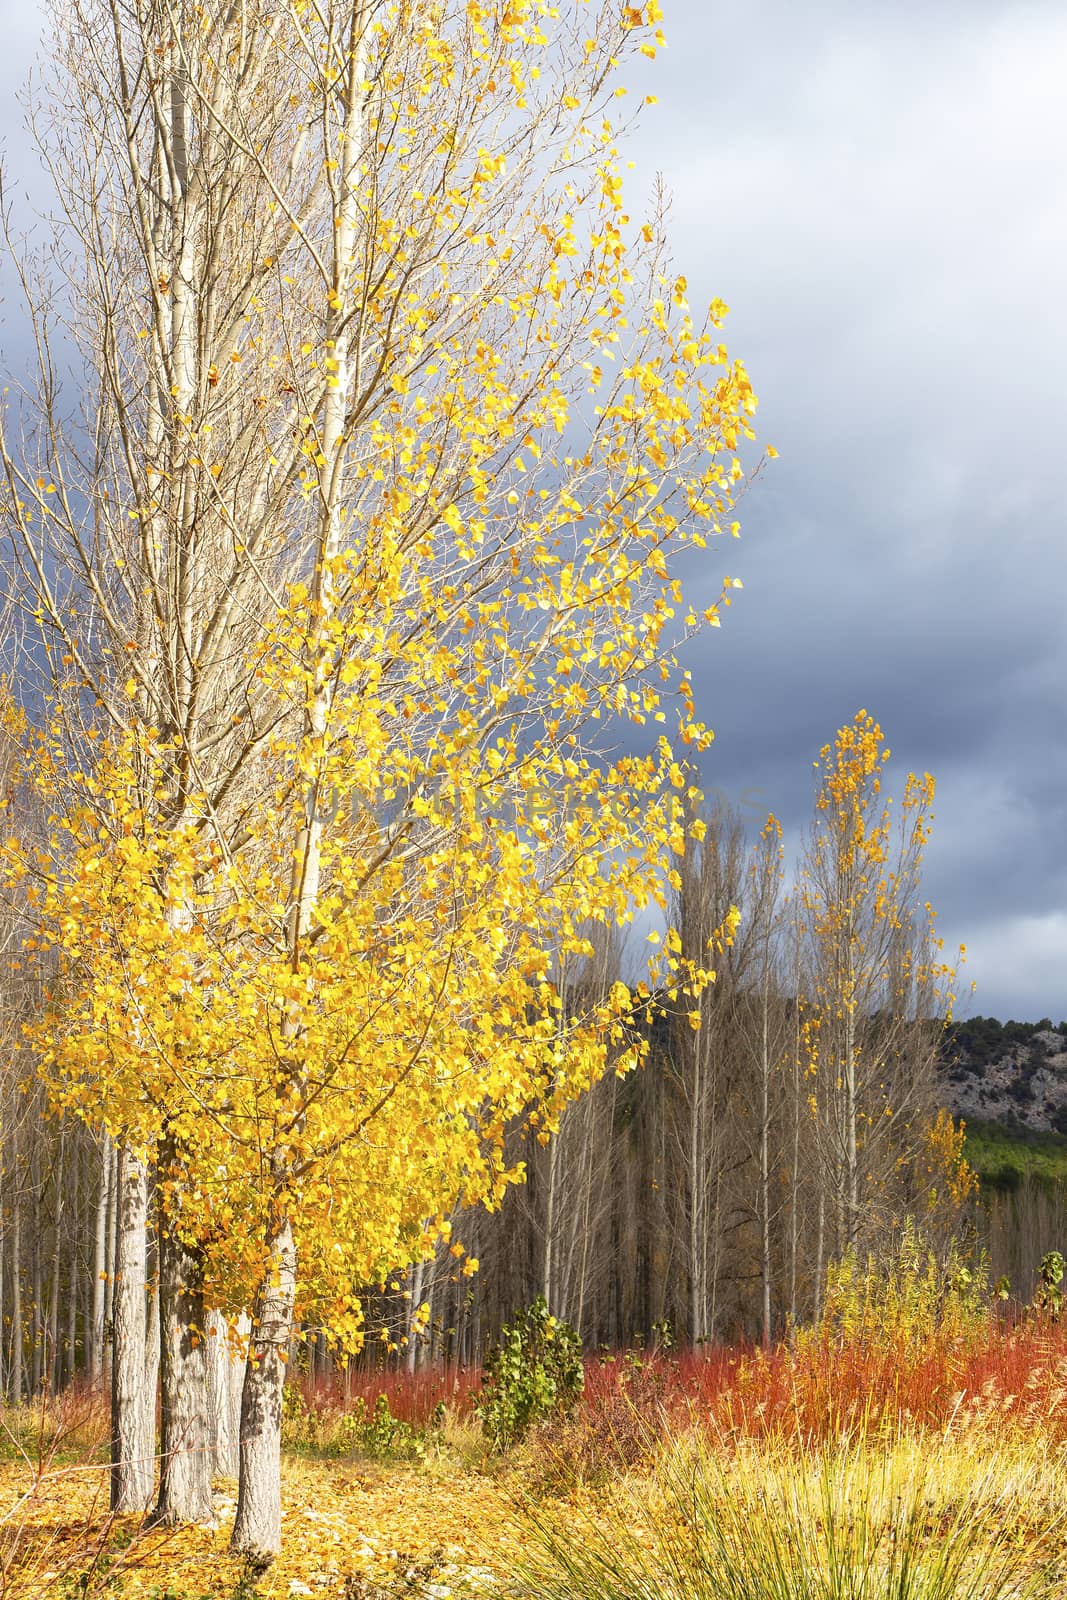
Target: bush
[533, 1375]
[913, 1299]
[1049, 1294]
[312, 1422]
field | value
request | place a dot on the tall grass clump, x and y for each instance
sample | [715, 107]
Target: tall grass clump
[840, 1522]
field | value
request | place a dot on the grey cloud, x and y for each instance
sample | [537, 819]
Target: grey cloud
[881, 195]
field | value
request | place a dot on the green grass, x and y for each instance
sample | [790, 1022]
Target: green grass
[1005, 1157]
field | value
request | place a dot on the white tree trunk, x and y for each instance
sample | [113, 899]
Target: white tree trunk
[411, 1354]
[100, 1265]
[75, 1295]
[187, 1451]
[698, 1178]
[226, 1376]
[852, 1210]
[257, 1529]
[110, 1255]
[16, 1298]
[765, 1173]
[132, 1421]
[548, 1280]
[53, 1370]
[151, 1339]
[820, 1245]
[37, 1325]
[794, 1181]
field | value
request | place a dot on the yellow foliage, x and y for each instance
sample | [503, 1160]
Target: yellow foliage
[327, 972]
[949, 1177]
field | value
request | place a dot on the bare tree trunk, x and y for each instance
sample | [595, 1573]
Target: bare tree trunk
[52, 1353]
[187, 1453]
[37, 1310]
[112, 1256]
[851, 1115]
[589, 1110]
[411, 1354]
[187, 1432]
[152, 1336]
[716, 1254]
[132, 1422]
[794, 1197]
[548, 1286]
[257, 1526]
[698, 1237]
[227, 1370]
[74, 1289]
[765, 1178]
[100, 1265]
[16, 1296]
[820, 1245]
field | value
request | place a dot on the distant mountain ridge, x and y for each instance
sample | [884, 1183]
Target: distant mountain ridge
[1013, 1073]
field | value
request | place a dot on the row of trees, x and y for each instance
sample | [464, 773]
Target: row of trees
[710, 1190]
[707, 1191]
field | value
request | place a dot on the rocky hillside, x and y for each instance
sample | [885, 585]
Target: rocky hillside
[1014, 1073]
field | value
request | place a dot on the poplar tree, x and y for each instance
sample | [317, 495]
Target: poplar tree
[397, 425]
[876, 988]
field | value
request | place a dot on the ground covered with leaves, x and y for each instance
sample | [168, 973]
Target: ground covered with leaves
[365, 1531]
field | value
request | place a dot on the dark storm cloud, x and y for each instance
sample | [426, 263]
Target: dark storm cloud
[880, 194]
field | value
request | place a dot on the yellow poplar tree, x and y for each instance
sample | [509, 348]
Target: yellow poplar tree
[875, 989]
[306, 926]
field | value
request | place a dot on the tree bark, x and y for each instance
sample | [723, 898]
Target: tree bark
[187, 1453]
[37, 1320]
[75, 1287]
[794, 1179]
[411, 1354]
[851, 1113]
[53, 1352]
[820, 1240]
[152, 1338]
[111, 1256]
[16, 1296]
[765, 1174]
[100, 1266]
[132, 1423]
[698, 1178]
[226, 1372]
[548, 1283]
[257, 1529]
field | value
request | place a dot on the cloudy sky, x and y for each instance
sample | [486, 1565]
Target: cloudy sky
[880, 195]
[879, 192]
